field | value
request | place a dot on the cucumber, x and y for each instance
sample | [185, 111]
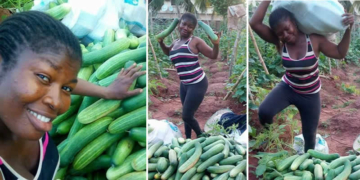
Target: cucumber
[173, 158]
[105, 53]
[226, 150]
[123, 150]
[117, 62]
[154, 148]
[318, 172]
[209, 162]
[355, 175]
[181, 140]
[210, 140]
[169, 172]
[139, 163]
[211, 152]
[198, 176]
[208, 30]
[322, 156]
[191, 144]
[124, 168]
[162, 165]
[65, 126]
[231, 160]
[220, 169]
[152, 167]
[182, 160]
[168, 30]
[174, 143]
[286, 163]
[190, 173]
[346, 172]
[116, 113]
[109, 37]
[160, 151]
[341, 161]
[134, 176]
[133, 119]
[240, 149]
[206, 148]
[238, 169]
[305, 164]
[192, 160]
[82, 138]
[135, 102]
[95, 149]
[61, 173]
[102, 162]
[330, 175]
[298, 161]
[60, 11]
[98, 110]
[138, 134]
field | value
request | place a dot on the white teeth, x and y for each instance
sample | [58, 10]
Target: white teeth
[40, 117]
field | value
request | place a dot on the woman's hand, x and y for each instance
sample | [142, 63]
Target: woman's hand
[160, 40]
[119, 89]
[218, 40]
[348, 20]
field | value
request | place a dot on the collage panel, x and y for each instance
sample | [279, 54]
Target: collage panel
[73, 89]
[303, 89]
[197, 90]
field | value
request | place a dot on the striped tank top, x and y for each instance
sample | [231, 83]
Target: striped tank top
[302, 75]
[187, 64]
[48, 162]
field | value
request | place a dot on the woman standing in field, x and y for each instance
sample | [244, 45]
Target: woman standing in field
[184, 54]
[39, 62]
[301, 83]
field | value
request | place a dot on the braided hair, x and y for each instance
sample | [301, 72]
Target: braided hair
[38, 32]
[280, 15]
[189, 16]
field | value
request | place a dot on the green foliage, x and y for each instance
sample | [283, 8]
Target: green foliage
[154, 84]
[17, 5]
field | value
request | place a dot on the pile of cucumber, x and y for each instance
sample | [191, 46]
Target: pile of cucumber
[313, 165]
[104, 138]
[214, 157]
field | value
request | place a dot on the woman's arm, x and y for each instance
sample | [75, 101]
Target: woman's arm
[165, 49]
[256, 23]
[337, 51]
[206, 50]
[119, 89]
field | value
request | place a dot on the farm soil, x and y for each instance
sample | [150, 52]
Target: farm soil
[339, 119]
[167, 105]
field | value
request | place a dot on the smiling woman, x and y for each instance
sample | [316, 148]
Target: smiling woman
[39, 62]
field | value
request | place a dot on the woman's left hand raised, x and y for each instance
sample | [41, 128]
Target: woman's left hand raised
[348, 20]
[119, 89]
[218, 40]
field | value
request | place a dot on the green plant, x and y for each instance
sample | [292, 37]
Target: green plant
[350, 89]
[154, 84]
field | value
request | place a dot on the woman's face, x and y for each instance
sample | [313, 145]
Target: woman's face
[35, 92]
[186, 28]
[287, 31]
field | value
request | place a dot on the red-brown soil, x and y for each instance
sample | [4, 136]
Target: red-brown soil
[339, 119]
[167, 104]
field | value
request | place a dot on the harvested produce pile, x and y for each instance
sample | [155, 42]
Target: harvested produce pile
[104, 138]
[311, 165]
[214, 157]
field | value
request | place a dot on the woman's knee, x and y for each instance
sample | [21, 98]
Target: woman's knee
[265, 115]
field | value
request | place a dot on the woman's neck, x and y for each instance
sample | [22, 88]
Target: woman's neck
[185, 38]
[8, 138]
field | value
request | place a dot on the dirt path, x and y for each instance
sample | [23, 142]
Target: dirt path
[340, 115]
[167, 104]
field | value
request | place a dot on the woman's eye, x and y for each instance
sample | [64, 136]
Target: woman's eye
[44, 78]
[68, 89]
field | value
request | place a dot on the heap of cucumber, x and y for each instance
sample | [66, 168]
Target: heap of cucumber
[312, 165]
[100, 138]
[214, 157]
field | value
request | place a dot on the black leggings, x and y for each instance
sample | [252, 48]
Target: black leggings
[308, 105]
[191, 97]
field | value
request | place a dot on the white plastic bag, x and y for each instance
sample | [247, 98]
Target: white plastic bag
[110, 20]
[214, 119]
[320, 17]
[320, 144]
[240, 138]
[84, 16]
[133, 12]
[162, 130]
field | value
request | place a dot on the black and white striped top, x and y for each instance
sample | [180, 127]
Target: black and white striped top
[48, 162]
[187, 64]
[302, 75]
